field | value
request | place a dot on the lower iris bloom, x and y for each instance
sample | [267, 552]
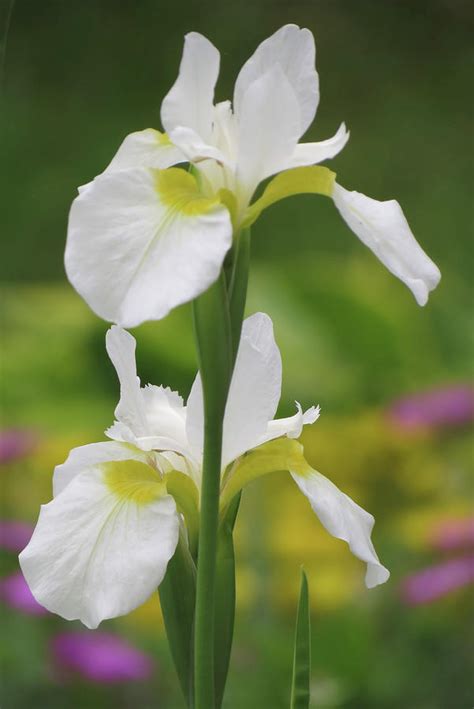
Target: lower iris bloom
[102, 545]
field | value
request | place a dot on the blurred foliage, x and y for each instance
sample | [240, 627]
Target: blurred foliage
[80, 76]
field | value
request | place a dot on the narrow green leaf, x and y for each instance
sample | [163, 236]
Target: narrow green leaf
[225, 599]
[300, 685]
[177, 596]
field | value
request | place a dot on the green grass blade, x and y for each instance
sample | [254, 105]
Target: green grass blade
[300, 685]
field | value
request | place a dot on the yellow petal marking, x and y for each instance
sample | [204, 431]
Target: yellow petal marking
[133, 481]
[180, 191]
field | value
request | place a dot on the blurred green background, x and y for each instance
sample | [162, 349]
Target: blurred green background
[79, 76]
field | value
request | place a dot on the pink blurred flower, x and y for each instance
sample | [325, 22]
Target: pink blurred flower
[100, 657]
[14, 536]
[453, 534]
[438, 581]
[15, 593]
[445, 407]
[15, 443]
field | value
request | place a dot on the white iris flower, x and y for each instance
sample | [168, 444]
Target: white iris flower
[102, 545]
[145, 237]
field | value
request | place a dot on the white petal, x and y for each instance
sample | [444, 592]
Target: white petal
[253, 396]
[313, 153]
[166, 416]
[291, 426]
[86, 456]
[345, 520]
[382, 227]
[194, 147]
[293, 49]
[146, 148]
[135, 252]
[189, 103]
[100, 550]
[130, 410]
[268, 128]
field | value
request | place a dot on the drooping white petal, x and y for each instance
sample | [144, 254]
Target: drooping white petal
[146, 148]
[140, 242]
[189, 103]
[268, 128]
[130, 410]
[293, 50]
[101, 547]
[345, 520]
[313, 153]
[253, 396]
[83, 457]
[292, 426]
[382, 227]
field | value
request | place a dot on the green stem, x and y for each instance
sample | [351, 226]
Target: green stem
[213, 340]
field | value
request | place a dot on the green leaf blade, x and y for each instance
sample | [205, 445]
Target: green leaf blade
[300, 685]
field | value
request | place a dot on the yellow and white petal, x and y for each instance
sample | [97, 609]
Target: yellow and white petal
[142, 241]
[189, 103]
[294, 51]
[146, 148]
[382, 227]
[314, 153]
[253, 395]
[344, 519]
[268, 129]
[84, 457]
[101, 547]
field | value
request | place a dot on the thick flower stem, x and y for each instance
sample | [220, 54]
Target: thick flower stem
[213, 340]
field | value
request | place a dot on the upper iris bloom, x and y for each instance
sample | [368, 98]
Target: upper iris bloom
[102, 545]
[145, 237]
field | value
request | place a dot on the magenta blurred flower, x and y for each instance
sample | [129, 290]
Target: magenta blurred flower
[438, 581]
[14, 536]
[15, 443]
[100, 657]
[449, 406]
[15, 593]
[453, 534]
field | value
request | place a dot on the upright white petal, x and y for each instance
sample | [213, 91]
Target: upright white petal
[189, 103]
[140, 242]
[345, 520]
[314, 153]
[130, 410]
[382, 227]
[146, 148]
[101, 547]
[253, 396]
[293, 50]
[268, 128]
